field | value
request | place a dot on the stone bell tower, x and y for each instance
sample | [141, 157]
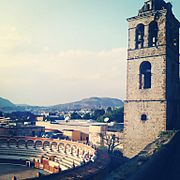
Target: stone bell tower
[152, 75]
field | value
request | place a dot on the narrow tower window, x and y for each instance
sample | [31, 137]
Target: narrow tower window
[144, 117]
[153, 34]
[175, 42]
[148, 7]
[145, 75]
[139, 36]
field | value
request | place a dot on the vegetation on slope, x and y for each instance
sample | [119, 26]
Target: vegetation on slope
[5, 103]
[128, 170]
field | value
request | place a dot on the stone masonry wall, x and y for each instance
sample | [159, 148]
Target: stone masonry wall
[157, 92]
[138, 133]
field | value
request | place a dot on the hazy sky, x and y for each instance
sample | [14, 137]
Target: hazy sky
[57, 51]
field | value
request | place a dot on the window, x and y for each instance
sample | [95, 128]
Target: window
[175, 42]
[148, 7]
[144, 117]
[145, 75]
[153, 34]
[139, 36]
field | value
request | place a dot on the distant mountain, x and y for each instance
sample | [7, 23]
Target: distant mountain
[91, 103]
[22, 105]
[6, 103]
[88, 103]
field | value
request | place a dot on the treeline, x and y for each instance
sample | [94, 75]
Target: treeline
[20, 115]
[100, 114]
[113, 115]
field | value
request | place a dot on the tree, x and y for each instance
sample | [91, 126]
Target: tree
[87, 116]
[22, 116]
[109, 109]
[113, 115]
[98, 113]
[118, 115]
[75, 115]
[111, 141]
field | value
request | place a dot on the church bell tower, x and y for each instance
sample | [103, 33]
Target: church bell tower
[152, 75]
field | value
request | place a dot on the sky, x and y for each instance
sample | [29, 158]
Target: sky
[58, 51]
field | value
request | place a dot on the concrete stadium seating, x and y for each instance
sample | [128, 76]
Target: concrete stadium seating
[65, 155]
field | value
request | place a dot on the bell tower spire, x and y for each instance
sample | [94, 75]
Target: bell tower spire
[154, 5]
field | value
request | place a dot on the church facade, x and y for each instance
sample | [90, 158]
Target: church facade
[152, 95]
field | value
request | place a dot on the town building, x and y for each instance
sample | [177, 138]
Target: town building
[9, 127]
[75, 135]
[96, 131]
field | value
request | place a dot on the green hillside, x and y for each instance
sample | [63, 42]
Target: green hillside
[4, 103]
